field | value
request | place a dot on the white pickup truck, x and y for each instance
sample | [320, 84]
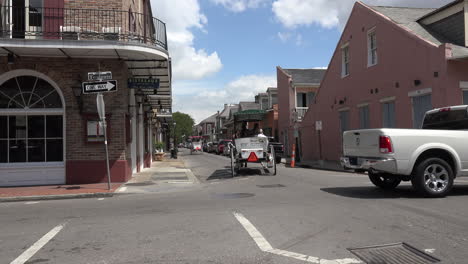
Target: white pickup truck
[431, 157]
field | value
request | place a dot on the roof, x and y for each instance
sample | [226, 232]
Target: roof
[272, 89]
[211, 119]
[227, 110]
[248, 106]
[306, 76]
[440, 9]
[407, 17]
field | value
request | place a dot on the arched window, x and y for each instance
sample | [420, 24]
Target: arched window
[31, 121]
[28, 92]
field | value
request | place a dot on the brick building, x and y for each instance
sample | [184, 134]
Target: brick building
[49, 130]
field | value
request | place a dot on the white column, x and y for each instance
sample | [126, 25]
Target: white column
[133, 145]
[141, 137]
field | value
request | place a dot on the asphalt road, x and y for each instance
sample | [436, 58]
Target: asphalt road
[299, 213]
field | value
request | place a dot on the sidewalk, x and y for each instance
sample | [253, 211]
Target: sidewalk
[162, 176]
[54, 192]
[322, 165]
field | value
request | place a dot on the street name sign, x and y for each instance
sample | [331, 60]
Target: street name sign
[99, 87]
[99, 76]
[143, 83]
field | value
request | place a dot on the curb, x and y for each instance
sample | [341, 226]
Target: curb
[55, 197]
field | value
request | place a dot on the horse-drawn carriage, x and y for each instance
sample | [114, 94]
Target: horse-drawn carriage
[196, 144]
[251, 146]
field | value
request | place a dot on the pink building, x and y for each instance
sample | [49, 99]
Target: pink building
[296, 90]
[390, 65]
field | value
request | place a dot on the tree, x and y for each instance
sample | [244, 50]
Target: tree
[184, 125]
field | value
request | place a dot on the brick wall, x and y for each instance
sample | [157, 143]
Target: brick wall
[68, 73]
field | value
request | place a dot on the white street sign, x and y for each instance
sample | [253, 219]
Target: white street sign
[99, 76]
[318, 125]
[99, 87]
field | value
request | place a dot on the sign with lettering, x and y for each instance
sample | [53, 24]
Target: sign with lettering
[143, 83]
[99, 87]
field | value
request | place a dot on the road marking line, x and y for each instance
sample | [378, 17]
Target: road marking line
[38, 245]
[123, 189]
[31, 202]
[265, 246]
[430, 250]
[262, 243]
[100, 199]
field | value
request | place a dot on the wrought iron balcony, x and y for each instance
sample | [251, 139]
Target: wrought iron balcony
[299, 113]
[82, 25]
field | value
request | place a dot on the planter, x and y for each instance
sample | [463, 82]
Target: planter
[159, 156]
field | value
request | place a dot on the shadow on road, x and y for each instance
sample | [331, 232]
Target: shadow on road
[370, 192]
[226, 173]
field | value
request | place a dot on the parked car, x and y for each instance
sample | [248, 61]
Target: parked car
[279, 148]
[430, 157]
[213, 147]
[205, 146]
[221, 145]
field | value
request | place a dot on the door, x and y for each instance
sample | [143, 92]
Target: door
[421, 104]
[53, 18]
[27, 18]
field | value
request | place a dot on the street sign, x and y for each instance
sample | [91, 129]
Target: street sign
[101, 106]
[99, 76]
[318, 125]
[143, 83]
[99, 87]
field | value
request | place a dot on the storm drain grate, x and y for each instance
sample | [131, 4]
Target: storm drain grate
[398, 253]
[234, 195]
[271, 186]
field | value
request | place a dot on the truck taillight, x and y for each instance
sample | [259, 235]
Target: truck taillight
[385, 145]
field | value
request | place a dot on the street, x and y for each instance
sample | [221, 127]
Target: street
[299, 216]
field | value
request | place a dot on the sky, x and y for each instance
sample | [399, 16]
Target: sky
[226, 51]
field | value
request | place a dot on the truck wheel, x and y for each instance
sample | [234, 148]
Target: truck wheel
[433, 178]
[384, 181]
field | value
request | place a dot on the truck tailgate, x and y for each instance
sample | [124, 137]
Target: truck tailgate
[361, 143]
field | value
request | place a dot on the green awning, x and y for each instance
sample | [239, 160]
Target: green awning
[249, 115]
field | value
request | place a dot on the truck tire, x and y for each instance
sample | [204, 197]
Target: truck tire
[433, 178]
[384, 181]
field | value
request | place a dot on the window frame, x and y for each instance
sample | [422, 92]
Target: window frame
[345, 60]
[370, 50]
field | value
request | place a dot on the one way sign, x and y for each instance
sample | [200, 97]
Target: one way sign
[99, 87]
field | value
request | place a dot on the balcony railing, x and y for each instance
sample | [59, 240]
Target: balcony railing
[300, 113]
[81, 24]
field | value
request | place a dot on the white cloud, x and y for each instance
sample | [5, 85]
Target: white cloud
[206, 102]
[332, 13]
[181, 18]
[240, 5]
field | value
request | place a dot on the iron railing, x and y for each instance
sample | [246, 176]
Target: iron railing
[81, 24]
[300, 113]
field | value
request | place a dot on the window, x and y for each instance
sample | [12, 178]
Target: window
[421, 104]
[35, 13]
[364, 121]
[35, 138]
[388, 111]
[344, 121]
[372, 48]
[345, 60]
[465, 97]
[35, 135]
[305, 99]
[301, 100]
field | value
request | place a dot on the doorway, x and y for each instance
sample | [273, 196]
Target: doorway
[27, 18]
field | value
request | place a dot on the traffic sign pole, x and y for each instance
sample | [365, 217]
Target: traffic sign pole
[102, 114]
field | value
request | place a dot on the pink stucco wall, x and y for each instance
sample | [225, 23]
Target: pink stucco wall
[285, 105]
[402, 57]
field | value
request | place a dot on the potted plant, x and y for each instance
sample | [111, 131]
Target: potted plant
[158, 151]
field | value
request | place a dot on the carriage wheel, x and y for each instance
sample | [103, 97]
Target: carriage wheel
[272, 161]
